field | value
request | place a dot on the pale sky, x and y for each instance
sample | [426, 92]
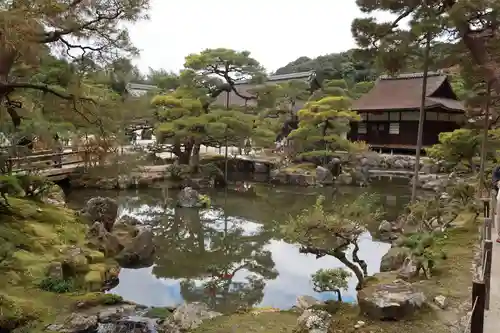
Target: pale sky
[274, 31]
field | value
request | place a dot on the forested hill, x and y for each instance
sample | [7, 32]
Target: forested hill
[333, 66]
[358, 68]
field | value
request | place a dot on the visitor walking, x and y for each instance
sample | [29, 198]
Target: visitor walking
[496, 187]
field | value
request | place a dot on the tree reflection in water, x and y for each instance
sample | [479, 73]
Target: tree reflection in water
[219, 260]
[217, 254]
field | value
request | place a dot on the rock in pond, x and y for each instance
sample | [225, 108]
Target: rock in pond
[392, 301]
[189, 198]
[128, 220]
[103, 240]
[139, 252]
[101, 209]
[324, 176]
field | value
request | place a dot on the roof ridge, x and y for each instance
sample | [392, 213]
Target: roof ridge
[411, 75]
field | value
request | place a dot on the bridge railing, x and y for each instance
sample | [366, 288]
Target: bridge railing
[42, 160]
[482, 269]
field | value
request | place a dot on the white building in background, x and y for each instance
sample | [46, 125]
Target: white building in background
[139, 89]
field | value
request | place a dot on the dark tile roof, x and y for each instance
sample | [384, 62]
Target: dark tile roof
[283, 77]
[403, 92]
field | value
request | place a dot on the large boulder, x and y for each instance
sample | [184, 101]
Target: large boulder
[324, 176]
[392, 301]
[139, 251]
[190, 198]
[314, 321]
[76, 323]
[189, 316]
[136, 325]
[305, 302]
[54, 196]
[394, 259]
[101, 209]
[104, 241]
[345, 179]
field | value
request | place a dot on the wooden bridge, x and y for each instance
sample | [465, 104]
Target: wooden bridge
[59, 166]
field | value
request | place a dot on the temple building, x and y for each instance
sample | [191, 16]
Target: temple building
[390, 112]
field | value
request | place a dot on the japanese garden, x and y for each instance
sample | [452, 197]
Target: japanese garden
[348, 192]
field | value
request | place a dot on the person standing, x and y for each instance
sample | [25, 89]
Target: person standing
[496, 187]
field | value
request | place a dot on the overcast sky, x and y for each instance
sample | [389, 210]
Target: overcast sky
[274, 31]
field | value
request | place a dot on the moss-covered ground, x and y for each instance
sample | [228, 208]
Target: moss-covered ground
[452, 279]
[32, 236]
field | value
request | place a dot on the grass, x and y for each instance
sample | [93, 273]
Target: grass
[30, 239]
[252, 322]
[451, 279]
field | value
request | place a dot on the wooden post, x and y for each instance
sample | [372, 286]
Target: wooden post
[488, 251]
[487, 227]
[486, 207]
[478, 298]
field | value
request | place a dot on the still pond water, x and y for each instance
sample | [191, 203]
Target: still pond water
[235, 239]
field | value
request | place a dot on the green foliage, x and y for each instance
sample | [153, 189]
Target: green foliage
[398, 45]
[330, 233]
[323, 125]
[463, 145]
[35, 186]
[335, 66]
[11, 185]
[424, 253]
[59, 286]
[438, 212]
[331, 280]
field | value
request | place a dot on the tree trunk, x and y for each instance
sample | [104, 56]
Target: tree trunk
[194, 162]
[421, 118]
[6, 62]
[339, 295]
[358, 261]
[183, 156]
[486, 127]
[479, 52]
[353, 267]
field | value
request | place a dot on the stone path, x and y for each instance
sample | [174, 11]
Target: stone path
[492, 317]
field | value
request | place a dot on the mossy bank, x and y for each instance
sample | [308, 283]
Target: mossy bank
[47, 268]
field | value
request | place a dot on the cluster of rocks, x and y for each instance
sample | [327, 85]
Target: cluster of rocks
[389, 231]
[190, 198]
[136, 179]
[134, 319]
[125, 239]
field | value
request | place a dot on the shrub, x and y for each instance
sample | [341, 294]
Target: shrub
[59, 286]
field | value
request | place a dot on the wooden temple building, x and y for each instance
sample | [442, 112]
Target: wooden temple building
[390, 112]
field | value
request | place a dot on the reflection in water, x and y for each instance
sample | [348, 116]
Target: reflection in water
[229, 256]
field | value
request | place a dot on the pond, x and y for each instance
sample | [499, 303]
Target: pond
[230, 255]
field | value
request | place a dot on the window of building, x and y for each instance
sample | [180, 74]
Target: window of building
[362, 128]
[394, 128]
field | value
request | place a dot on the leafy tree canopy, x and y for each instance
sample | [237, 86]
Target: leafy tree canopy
[335, 66]
[469, 27]
[85, 33]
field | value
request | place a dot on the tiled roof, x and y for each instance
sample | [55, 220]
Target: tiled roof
[283, 77]
[403, 92]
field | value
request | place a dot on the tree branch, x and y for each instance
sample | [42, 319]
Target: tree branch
[54, 36]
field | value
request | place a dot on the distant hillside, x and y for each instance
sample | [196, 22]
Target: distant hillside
[357, 67]
[334, 66]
